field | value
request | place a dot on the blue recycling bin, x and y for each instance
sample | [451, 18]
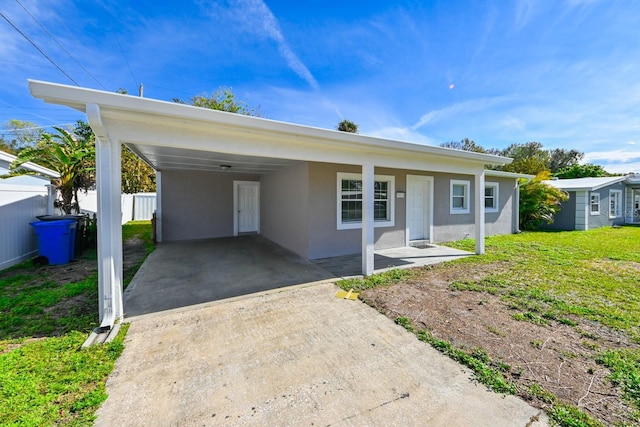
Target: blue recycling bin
[56, 240]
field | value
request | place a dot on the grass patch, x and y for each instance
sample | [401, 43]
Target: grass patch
[31, 306]
[491, 373]
[141, 230]
[591, 274]
[625, 372]
[386, 278]
[52, 379]
[45, 377]
[487, 371]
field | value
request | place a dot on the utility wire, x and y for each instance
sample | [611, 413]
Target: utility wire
[36, 46]
[125, 58]
[5, 131]
[58, 43]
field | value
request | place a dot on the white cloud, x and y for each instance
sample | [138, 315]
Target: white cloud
[402, 134]
[616, 161]
[256, 17]
[459, 109]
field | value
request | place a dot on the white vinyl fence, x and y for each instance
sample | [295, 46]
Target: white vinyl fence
[19, 205]
[139, 206]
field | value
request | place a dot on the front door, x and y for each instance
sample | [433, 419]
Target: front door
[418, 207]
[247, 207]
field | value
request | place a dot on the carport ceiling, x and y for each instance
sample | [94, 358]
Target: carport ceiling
[168, 158]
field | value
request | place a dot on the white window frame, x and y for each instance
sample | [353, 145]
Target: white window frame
[615, 202]
[466, 197]
[496, 197]
[391, 192]
[595, 196]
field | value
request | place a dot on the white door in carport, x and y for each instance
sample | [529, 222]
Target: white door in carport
[247, 207]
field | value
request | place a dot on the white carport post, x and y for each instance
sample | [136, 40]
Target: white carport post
[479, 210]
[108, 183]
[367, 219]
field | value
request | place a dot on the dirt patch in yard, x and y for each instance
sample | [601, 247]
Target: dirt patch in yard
[559, 357]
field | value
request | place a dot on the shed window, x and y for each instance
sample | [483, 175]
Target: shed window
[595, 204]
[615, 203]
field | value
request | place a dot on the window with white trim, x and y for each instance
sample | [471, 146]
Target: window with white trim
[615, 203]
[349, 200]
[460, 196]
[594, 205]
[491, 191]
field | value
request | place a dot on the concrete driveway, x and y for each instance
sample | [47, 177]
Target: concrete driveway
[293, 357]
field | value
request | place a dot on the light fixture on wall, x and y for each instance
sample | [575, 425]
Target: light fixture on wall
[225, 167]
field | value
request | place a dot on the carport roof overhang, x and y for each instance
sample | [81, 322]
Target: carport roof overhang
[162, 132]
[168, 134]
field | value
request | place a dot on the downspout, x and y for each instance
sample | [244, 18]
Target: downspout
[516, 218]
[479, 212]
[108, 185]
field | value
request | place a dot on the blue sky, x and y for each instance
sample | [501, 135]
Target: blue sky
[565, 73]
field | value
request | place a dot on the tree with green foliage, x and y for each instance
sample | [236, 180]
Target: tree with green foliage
[582, 171]
[222, 99]
[464, 145]
[539, 202]
[560, 158]
[19, 134]
[137, 176]
[70, 154]
[528, 158]
[347, 126]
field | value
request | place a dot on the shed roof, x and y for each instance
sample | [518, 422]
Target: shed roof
[40, 170]
[585, 184]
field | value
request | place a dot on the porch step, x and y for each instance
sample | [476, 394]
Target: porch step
[420, 244]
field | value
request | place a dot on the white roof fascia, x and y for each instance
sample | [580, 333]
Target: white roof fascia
[163, 112]
[576, 186]
[30, 166]
[503, 174]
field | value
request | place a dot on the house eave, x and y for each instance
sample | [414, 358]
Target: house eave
[173, 114]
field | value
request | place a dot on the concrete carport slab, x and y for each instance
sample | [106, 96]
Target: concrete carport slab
[181, 274]
[294, 357]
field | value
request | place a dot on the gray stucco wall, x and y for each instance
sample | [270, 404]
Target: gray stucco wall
[565, 219]
[603, 219]
[198, 205]
[325, 239]
[284, 208]
[448, 227]
[298, 208]
[503, 221]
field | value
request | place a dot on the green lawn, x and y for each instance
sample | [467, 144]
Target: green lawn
[45, 377]
[593, 274]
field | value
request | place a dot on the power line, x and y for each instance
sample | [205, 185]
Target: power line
[36, 46]
[34, 127]
[58, 43]
[125, 58]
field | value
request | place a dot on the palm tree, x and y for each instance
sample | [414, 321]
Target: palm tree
[347, 126]
[69, 154]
